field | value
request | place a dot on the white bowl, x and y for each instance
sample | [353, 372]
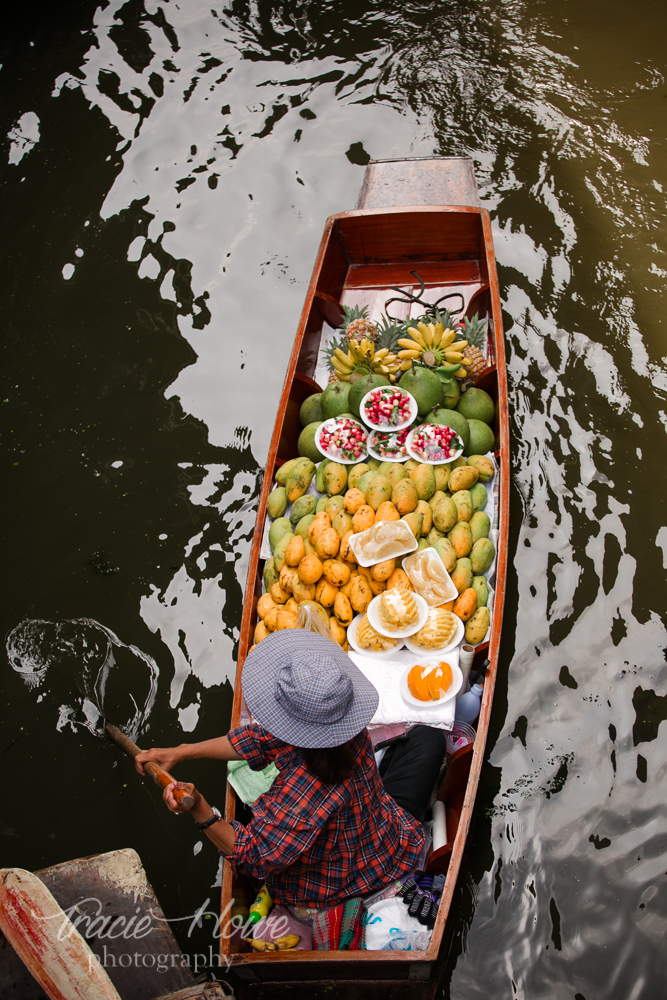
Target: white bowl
[352, 639]
[329, 425]
[370, 445]
[454, 687]
[374, 618]
[452, 644]
[414, 409]
[420, 458]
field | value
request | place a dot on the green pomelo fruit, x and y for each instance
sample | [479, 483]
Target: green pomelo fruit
[334, 399]
[482, 438]
[360, 387]
[311, 409]
[453, 419]
[475, 404]
[306, 445]
[425, 386]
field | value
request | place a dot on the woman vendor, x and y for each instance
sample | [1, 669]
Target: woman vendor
[331, 826]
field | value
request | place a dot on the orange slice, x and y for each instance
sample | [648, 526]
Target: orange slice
[418, 684]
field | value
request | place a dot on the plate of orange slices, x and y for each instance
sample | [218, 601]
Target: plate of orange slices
[431, 683]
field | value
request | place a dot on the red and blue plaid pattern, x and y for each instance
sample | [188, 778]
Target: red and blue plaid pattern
[315, 844]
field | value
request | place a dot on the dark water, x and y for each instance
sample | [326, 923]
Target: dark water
[165, 177]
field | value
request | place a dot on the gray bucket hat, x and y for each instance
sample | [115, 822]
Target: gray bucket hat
[304, 689]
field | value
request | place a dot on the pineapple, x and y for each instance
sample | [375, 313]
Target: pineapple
[356, 325]
[474, 331]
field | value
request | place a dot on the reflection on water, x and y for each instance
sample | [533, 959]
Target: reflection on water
[169, 168]
[87, 665]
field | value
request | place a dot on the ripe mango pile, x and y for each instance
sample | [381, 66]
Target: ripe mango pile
[313, 565]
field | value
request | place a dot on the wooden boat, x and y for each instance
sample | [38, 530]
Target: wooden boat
[418, 215]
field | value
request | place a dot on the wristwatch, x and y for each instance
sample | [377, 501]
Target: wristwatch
[215, 816]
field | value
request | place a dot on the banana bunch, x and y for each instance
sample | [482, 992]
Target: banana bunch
[436, 347]
[286, 943]
[362, 358]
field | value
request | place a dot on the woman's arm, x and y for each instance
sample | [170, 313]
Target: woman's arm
[217, 749]
[221, 834]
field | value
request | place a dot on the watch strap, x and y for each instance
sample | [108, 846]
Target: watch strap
[215, 816]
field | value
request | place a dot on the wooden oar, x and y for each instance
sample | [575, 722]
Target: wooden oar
[159, 776]
[47, 943]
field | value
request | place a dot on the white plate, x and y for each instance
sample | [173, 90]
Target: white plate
[414, 409]
[370, 444]
[452, 644]
[454, 687]
[374, 618]
[352, 639]
[450, 595]
[330, 425]
[410, 545]
[419, 458]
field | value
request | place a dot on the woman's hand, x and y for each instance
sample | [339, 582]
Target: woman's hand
[171, 801]
[166, 758]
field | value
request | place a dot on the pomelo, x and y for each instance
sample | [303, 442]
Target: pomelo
[306, 445]
[453, 419]
[360, 387]
[311, 409]
[425, 386]
[482, 438]
[475, 404]
[334, 400]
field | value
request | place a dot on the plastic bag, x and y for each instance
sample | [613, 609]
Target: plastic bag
[308, 618]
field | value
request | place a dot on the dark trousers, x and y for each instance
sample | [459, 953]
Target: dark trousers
[410, 768]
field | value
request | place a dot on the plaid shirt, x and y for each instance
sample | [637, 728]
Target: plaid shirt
[316, 844]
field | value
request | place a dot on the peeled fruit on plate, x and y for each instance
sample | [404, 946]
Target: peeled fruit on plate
[431, 682]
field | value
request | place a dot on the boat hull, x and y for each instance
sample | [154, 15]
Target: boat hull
[363, 255]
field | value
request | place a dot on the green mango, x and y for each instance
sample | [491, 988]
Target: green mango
[280, 549]
[321, 503]
[445, 514]
[433, 536]
[342, 523]
[334, 505]
[284, 470]
[441, 477]
[378, 491]
[395, 473]
[461, 538]
[335, 478]
[482, 555]
[366, 480]
[463, 503]
[480, 496]
[424, 479]
[445, 550]
[374, 464]
[303, 525]
[354, 475]
[480, 525]
[414, 521]
[281, 526]
[276, 505]
[319, 477]
[404, 496]
[484, 466]
[437, 496]
[303, 506]
[410, 465]
[481, 588]
[270, 574]
[462, 574]
[299, 479]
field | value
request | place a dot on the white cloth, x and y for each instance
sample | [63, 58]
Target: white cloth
[385, 675]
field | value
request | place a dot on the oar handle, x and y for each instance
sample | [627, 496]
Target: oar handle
[157, 773]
